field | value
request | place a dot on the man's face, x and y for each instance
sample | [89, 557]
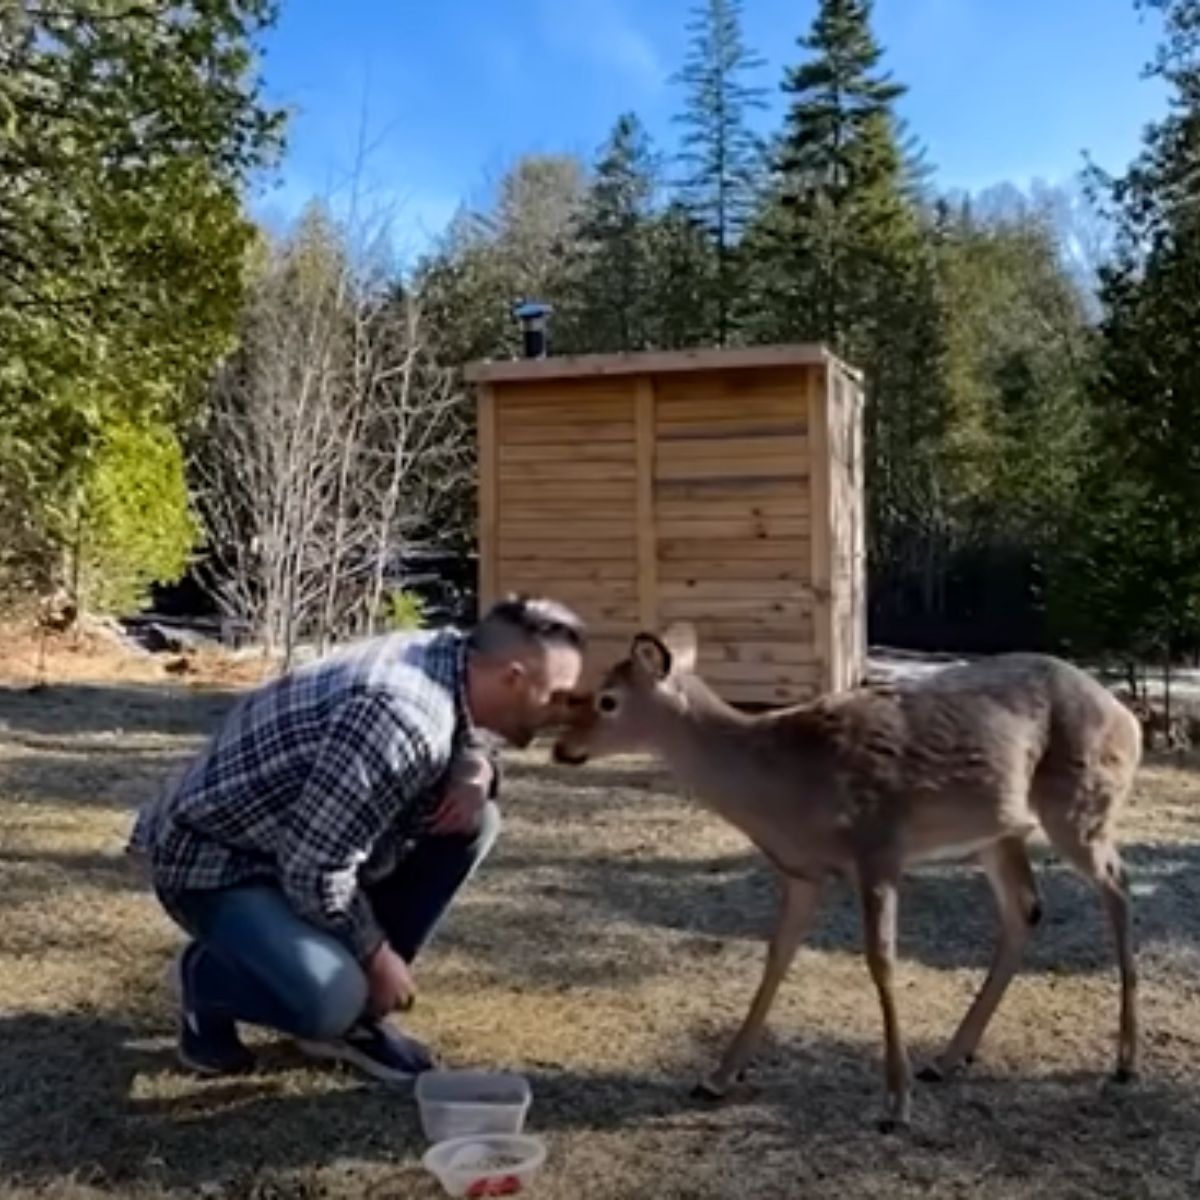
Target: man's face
[533, 687]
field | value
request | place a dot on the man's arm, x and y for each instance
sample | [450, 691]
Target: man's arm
[370, 767]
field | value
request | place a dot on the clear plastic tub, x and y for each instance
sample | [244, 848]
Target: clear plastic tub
[455, 1104]
[489, 1165]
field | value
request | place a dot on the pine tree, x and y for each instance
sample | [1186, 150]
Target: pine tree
[840, 211]
[721, 155]
[615, 276]
[1148, 394]
[840, 257]
[683, 275]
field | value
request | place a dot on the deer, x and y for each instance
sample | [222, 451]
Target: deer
[864, 782]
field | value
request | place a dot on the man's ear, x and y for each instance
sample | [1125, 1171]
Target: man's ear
[682, 643]
[650, 656]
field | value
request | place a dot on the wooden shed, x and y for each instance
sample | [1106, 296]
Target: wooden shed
[719, 486]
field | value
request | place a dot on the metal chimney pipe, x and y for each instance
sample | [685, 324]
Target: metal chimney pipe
[532, 314]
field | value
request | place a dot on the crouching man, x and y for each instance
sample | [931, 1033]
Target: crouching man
[314, 845]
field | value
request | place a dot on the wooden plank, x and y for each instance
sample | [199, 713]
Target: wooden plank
[646, 534]
[748, 569]
[574, 572]
[822, 549]
[772, 613]
[789, 472]
[567, 433]
[551, 552]
[565, 470]
[583, 450]
[735, 527]
[701, 552]
[744, 489]
[728, 630]
[763, 674]
[551, 392]
[587, 413]
[747, 384]
[602, 529]
[779, 694]
[781, 652]
[518, 573]
[719, 590]
[488, 496]
[592, 366]
[733, 425]
[734, 449]
[552, 514]
[783, 504]
[602, 614]
[584, 491]
[777, 407]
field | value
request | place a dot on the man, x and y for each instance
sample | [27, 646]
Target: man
[313, 846]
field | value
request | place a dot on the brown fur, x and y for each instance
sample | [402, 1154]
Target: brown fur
[966, 762]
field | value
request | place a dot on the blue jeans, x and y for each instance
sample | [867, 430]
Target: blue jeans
[257, 961]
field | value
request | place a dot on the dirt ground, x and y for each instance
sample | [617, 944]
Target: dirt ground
[607, 950]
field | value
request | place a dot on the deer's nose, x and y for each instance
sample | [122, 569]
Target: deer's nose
[570, 758]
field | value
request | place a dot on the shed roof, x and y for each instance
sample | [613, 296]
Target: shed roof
[649, 362]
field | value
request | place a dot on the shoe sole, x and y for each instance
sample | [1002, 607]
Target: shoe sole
[344, 1053]
[208, 1070]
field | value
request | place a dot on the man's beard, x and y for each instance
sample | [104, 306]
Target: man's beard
[523, 735]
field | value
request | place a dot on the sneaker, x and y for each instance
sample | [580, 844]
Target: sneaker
[376, 1048]
[208, 1043]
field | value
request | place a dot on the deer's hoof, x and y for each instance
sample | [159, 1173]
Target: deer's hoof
[709, 1092]
[893, 1125]
[931, 1074]
[1125, 1075]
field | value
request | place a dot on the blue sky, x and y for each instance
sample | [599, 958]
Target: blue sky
[448, 93]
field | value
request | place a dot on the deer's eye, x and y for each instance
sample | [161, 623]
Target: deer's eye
[607, 703]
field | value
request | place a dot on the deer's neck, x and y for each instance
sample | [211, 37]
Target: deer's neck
[719, 754]
[752, 772]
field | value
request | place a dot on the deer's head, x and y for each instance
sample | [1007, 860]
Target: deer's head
[623, 713]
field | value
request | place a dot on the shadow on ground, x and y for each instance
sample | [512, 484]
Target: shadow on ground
[70, 1107]
[75, 709]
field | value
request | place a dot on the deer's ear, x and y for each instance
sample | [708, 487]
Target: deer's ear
[681, 641]
[650, 656]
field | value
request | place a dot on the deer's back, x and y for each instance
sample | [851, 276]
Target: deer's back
[951, 760]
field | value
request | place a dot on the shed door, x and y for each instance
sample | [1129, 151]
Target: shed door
[731, 517]
[567, 502]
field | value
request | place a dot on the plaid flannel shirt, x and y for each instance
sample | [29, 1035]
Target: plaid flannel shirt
[318, 779]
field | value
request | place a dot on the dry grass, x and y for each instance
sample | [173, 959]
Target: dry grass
[607, 950]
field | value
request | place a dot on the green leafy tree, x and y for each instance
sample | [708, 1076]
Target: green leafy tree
[128, 131]
[721, 155]
[132, 523]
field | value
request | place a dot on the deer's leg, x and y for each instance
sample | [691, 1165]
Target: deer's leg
[1100, 861]
[879, 901]
[1006, 865]
[1114, 888]
[1078, 822]
[797, 905]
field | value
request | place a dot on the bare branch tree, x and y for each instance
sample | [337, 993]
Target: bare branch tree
[332, 437]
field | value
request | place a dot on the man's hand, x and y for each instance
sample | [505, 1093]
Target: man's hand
[462, 803]
[389, 983]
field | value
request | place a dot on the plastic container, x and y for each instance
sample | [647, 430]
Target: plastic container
[497, 1164]
[455, 1104]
